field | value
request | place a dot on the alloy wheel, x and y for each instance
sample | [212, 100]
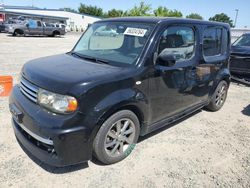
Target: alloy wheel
[221, 95]
[119, 137]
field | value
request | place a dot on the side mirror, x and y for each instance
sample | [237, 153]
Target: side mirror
[167, 60]
[27, 25]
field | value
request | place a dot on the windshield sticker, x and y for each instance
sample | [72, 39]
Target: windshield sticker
[135, 32]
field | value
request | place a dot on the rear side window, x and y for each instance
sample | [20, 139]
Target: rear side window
[39, 24]
[178, 41]
[212, 42]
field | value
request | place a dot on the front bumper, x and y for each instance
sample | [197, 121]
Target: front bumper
[10, 31]
[57, 140]
[240, 65]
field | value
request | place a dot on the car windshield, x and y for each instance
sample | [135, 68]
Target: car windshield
[244, 40]
[115, 43]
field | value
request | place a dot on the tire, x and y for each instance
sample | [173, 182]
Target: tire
[219, 97]
[18, 33]
[55, 33]
[113, 144]
[14, 34]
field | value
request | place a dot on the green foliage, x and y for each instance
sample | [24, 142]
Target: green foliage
[164, 12]
[161, 11]
[69, 9]
[144, 10]
[138, 10]
[141, 10]
[222, 18]
[174, 13]
[91, 10]
[194, 16]
[114, 13]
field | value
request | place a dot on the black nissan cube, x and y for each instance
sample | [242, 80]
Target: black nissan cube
[125, 78]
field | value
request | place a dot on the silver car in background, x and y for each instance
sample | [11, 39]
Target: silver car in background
[33, 27]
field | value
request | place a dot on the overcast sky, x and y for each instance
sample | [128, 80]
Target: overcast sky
[206, 8]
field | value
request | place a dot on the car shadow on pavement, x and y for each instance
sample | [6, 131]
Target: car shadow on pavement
[35, 36]
[52, 169]
[68, 169]
[95, 161]
[246, 110]
[142, 138]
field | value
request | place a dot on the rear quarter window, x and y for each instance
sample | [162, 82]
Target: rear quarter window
[215, 42]
[212, 40]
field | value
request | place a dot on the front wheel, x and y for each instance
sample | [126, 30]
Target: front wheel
[14, 34]
[219, 97]
[117, 137]
[18, 33]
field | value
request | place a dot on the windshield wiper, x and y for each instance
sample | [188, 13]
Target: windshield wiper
[97, 60]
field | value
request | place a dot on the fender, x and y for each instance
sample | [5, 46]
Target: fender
[131, 99]
[223, 74]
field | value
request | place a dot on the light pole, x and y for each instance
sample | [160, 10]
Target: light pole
[236, 17]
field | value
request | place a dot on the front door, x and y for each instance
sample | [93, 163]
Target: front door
[175, 88]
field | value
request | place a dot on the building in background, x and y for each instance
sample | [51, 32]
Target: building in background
[74, 21]
[236, 33]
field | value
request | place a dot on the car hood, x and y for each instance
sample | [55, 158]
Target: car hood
[64, 73]
[243, 50]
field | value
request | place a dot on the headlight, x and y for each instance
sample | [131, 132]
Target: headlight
[56, 103]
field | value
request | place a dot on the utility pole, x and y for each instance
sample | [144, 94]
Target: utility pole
[236, 17]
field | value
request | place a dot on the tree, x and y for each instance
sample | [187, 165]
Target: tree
[222, 18]
[174, 13]
[164, 12]
[91, 10]
[114, 13]
[69, 9]
[194, 16]
[161, 11]
[141, 10]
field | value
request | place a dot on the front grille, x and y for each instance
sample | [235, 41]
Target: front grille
[29, 90]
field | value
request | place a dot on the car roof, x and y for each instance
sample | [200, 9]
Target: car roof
[158, 20]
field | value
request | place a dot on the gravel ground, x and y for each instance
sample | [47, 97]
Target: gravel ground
[205, 150]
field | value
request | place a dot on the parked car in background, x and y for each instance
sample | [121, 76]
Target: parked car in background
[33, 27]
[240, 57]
[7, 24]
[106, 32]
[101, 96]
[62, 26]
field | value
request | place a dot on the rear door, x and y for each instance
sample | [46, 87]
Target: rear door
[214, 55]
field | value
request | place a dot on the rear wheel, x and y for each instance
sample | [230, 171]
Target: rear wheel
[219, 96]
[117, 137]
[18, 33]
[55, 33]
